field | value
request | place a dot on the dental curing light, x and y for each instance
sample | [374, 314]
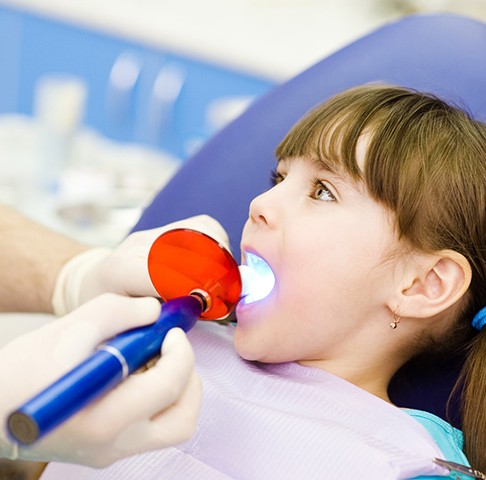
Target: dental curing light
[194, 275]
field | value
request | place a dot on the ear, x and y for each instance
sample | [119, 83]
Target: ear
[435, 283]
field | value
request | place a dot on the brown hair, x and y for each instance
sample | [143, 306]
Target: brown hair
[426, 162]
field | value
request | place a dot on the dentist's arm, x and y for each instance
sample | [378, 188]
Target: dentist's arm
[31, 257]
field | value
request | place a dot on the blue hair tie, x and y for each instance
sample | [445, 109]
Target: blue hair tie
[479, 320]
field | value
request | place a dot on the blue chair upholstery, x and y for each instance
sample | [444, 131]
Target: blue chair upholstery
[444, 54]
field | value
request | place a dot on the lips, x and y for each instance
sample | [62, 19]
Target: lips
[257, 277]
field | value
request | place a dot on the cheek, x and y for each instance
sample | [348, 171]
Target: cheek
[326, 291]
[311, 276]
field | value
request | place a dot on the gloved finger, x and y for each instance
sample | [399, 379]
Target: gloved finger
[181, 418]
[146, 394]
[124, 271]
[137, 279]
[210, 226]
[202, 223]
[108, 315]
[174, 425]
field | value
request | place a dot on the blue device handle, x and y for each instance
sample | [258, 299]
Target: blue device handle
[100, 372]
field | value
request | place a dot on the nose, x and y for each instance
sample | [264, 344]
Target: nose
[265, 208]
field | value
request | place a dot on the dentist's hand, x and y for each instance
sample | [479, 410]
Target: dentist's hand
[148, 411]
[123, 270]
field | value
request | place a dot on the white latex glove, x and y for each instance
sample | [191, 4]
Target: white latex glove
[148, 411]
[123, 270]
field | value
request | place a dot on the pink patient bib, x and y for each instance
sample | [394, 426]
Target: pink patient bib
[284, 421]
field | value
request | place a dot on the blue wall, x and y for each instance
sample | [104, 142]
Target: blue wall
[32, 46]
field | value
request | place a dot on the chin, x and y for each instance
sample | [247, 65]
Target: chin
[253, 352]
[245, 348]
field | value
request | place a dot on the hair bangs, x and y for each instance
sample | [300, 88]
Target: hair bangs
[328, 134]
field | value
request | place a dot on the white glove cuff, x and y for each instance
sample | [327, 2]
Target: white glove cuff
[65, 297]
[9, 449]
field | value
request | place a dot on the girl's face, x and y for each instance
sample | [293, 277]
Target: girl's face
[329, 245]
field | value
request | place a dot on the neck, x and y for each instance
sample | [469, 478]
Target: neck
[372, 376]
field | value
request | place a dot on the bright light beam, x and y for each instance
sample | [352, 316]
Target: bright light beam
[257, 278]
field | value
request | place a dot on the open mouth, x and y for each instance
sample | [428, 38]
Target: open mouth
[257, 278]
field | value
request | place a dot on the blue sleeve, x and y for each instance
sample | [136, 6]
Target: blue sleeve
[449, 439]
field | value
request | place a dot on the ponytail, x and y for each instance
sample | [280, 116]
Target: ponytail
[473, 380]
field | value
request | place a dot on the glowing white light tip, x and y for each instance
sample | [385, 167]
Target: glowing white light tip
[257, 278]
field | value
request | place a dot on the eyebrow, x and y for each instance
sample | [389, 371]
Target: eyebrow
[317, 163]
[340, 175]
[325, 165]
[333, 168]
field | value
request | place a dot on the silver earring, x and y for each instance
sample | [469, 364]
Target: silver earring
[396, 319]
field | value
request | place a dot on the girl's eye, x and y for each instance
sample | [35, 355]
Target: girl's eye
[276, 177]
[321, 192]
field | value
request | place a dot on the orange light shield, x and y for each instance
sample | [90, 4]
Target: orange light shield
[184, 260]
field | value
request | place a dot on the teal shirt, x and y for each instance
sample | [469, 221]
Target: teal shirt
[449, 439]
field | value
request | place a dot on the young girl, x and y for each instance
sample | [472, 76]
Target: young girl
[376, 233]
